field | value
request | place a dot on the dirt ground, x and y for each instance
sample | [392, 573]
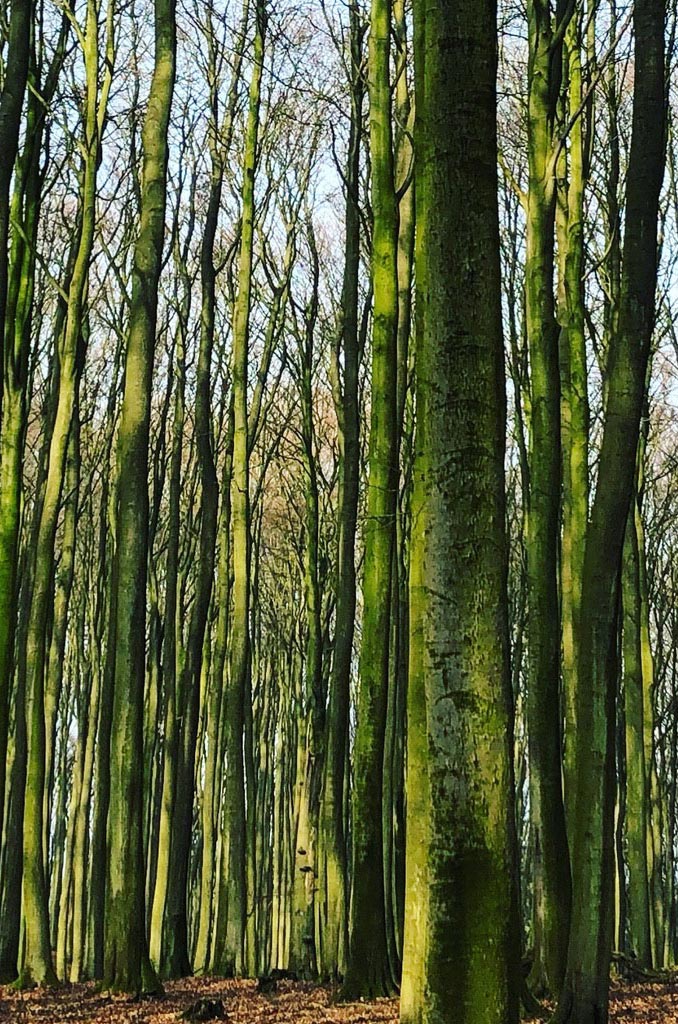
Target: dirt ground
[291, 1003]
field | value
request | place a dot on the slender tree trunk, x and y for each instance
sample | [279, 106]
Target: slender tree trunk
[574, 406]
[394, 764]
[10, 918]
[127, 966]
[637, 789]
[170, 752]
[368, 972]
[312, 698]
[78, 969]
[37, 963]
[220, 143]
[584, 999]
[235, 953]
[212, 922]
[552, 885]
[17, 317]
[63, 586]
[333, 865]
[176, 961]
[15, 77]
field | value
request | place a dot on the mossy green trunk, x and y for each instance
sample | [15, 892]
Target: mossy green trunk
[574, 405]
[169, 657]
[15, 76]
[393, 809]
[368, 970]
[235, 957]
[461, 951]
[37, 963]
[637, 788]
[551, 869]
[332, 943]
[126, 962]
[176, 960]
[26, 201]
[655, 822]
[584, 998]
[220, 139]
[312, 700]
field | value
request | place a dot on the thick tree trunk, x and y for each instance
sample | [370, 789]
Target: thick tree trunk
[461, 942]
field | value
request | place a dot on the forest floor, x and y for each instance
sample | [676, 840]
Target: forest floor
[291, 1003]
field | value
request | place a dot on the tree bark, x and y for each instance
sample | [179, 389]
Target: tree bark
[461, 942]
[236, 957]
[584, 998]
[127, 966]
[368, 971]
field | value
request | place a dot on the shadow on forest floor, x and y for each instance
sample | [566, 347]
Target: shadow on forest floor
[291, 1003]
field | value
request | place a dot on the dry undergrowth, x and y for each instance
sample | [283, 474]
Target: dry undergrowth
[644, 1003]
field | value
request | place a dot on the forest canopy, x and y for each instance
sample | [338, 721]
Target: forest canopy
[339, 499]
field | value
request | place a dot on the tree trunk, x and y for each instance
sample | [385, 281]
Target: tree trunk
[333, 866]
[461, 941]
[584, 998]
[552, 885]
[368, 972]
[637, 788]
[234, 956]
[127, 966]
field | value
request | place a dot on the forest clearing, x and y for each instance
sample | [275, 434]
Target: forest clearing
[339, 511]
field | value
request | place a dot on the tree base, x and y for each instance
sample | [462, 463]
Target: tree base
[147, 986]
[531, 1006]
[28, 979]
[8, 975]
[368, 986]
[579, 1009]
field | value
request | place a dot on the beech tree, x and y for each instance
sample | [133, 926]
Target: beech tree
[337, 499]
[585, 993]
[126, 965]
[460, 937]
[368, 970]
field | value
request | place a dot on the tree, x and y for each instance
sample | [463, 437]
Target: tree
[37, 960]
[368, 971]
[14, 80]
[637, 775]
[127, 966]
[460, 930]
[220, 137]
[573, 171]
[11, 103]
[239, 885]
[584, 998]
[19, 322]
[333, 853]
[550, 852]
